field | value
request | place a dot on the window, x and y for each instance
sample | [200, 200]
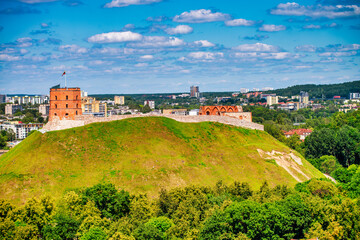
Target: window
[55, 106]
[55, 97]
[67, 97]
[76, 112]
[55, 114]
[66, 114]
[67, 105]
[76, 97]
[77, 105]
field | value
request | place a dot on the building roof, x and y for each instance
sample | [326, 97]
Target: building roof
[300, 131]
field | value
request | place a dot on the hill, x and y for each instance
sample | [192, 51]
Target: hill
[318, 91]
[145, 155]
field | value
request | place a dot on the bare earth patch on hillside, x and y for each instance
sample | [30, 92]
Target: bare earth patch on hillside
[290, 162]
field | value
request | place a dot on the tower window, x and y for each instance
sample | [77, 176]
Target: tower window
[67, 105]
[67, 97]
[66, 114]
[55, 97]
[76, 113]
[55, 106]
[55, 114]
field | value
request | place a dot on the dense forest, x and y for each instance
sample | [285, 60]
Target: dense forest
[320, 91]
[314, 209]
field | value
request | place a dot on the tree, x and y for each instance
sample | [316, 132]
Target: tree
[94, 233]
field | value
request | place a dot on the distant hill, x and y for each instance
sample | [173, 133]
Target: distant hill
[318, 91]
[145, 155]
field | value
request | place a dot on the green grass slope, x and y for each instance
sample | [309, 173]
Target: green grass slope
[140, 155]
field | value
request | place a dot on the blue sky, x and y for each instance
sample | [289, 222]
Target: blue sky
[154, 46]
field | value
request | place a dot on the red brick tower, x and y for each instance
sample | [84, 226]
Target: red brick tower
[65, 103]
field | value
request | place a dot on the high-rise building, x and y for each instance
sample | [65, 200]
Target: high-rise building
[304, 99]
[2, 98]
[91, 106]
[352, 95]
[44, 109]
[194, 91]
[150, 103]
[244, 90]
[271, 100]
[65, 103]
[10, 109]
[119, 100]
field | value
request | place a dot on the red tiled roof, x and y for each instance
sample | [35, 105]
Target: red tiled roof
[300, 131]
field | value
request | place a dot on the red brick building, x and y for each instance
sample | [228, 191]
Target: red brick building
[65, 103]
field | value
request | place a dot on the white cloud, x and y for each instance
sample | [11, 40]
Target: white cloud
[37, 1]
[316, 11]
[305, 48]
[264, 55]
[23, 51]
[338, 54]
[141, 65]
[8, 58]
[202, 57]
[125, 3]
[311, 26]
[257, 47]
[147, 57]
[114, 70]
[204, 43]
[201, 16]
[239, 22]
[272, 28]
[158, 41]
[180, 29]
[73, 48]
[115, 37]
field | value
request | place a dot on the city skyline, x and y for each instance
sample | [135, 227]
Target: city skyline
[155, 46]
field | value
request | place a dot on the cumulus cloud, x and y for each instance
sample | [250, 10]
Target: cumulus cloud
[314, 26]
[180, 29]
[263, 55]
[73, 49]
[147, 57]
[125, 3]
[257, 47]
[201, 16]
[272, 28]
[115, 37]
[338, 54]
[204, 43]
[202, 57]
[306, 48]
[158, 41]
[316, 11]
[239, 22]
[8, 58]
[72, 3]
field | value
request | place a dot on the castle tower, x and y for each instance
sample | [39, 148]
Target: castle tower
[65, 103]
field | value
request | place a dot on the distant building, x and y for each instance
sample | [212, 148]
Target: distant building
[194, 91]
[304, 99]
[244, 90]
[229, 111]
[194, 112]
[150, 103]
[267, 89]
[84, 94]
[64, 103]
[44, 109]
[21, 130]
[2, 98]
[337, 97]
[119, 100]
[272, 100]
[256, 89]
[352, 95]
[10, 109]
[289, 106]
[90, 106]
[175, 111]
[303, 133]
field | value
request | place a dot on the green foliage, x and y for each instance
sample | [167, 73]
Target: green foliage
[94, 234]
[108, 200]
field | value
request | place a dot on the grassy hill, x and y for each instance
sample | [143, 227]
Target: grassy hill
[142, 155]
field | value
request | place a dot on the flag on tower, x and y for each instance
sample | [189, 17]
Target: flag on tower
[63, 74]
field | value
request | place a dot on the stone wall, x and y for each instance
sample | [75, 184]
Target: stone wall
[82, 120]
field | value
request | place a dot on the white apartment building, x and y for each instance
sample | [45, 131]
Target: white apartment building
[150, 103]
[21, 130]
